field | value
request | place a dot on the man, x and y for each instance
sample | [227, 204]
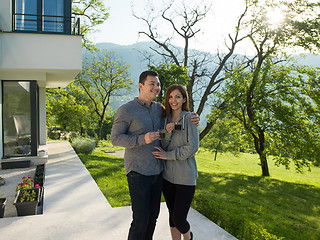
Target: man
[136, 127]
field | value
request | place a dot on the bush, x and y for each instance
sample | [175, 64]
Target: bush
[54, 134]
[83, 145]
[237, 225]
[73, 135]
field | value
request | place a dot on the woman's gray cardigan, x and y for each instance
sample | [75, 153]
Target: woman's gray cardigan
[181, 146]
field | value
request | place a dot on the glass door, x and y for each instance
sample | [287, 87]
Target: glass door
[19, 127]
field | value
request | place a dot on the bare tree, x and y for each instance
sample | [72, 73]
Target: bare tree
[205, 71]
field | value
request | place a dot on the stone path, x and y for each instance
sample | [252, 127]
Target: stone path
[118, 153]
[76, 209]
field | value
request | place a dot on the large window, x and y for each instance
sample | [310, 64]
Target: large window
[51, 11]
[19, 114]
[26, 15]
[52, 16]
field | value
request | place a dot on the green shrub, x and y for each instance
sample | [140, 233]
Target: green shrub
[235, 224]
[253, 231]
[54, 134]
[83, 145]
[74, 135]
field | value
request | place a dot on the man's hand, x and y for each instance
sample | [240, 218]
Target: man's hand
[195, 119]
[151, 136]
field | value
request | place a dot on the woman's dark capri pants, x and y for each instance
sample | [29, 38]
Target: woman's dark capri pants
[178, 200]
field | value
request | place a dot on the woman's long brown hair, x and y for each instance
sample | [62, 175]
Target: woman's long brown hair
[185, 105]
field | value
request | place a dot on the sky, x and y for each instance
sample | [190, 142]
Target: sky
[122, 27]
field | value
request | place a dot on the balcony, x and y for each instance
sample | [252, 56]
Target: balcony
[45, 24]
[53, 60]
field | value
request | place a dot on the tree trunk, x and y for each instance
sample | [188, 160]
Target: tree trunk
[216, 151]
[159, 98]
[205, 130]
[259, 142]
[100, 130]
[215, 155]
[209, 125]
[264, 165]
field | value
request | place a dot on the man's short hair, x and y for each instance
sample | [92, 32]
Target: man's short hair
[145, 74]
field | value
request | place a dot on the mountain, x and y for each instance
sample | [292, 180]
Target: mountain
[133, 55]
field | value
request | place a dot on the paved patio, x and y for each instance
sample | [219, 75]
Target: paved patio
[75, 208]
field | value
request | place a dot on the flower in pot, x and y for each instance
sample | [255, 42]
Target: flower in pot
[2, 205]
[27, 183]
[27, 197]
[39, 175]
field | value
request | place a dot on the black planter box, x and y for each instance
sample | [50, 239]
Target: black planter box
[39, 175]
[2, 206]
[27, 208]
[40, 168]
[15, 164]
[39, 180]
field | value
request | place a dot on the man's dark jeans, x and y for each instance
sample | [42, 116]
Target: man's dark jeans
[145, 193]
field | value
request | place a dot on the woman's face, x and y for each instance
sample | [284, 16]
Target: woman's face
[176, 100]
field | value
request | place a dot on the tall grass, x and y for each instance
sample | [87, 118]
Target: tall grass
[232, 193]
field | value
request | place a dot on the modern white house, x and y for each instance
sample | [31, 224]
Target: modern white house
[40, 47]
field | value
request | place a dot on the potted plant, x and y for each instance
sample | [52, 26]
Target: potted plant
[42, 153]
[27, 197]
[2, 205]
[40, 168]
[39, 175]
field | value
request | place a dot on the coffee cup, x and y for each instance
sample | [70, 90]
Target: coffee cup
[162, 133]
[177, 126]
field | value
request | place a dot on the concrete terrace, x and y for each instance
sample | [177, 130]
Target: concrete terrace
[75, 208]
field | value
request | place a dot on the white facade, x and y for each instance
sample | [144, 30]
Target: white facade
[51, 59]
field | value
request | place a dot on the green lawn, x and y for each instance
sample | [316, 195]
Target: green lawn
[231, 192]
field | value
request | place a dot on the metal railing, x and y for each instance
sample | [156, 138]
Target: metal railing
[76, 26]
[46, 23]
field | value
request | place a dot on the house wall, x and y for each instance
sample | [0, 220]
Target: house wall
[5, 15]
[1, 138]
[52, 60]
[42, 116]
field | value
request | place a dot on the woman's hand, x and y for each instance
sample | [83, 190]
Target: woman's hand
[161, 154]
[170, 127]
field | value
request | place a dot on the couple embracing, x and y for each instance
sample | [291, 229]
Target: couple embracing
[155, 165]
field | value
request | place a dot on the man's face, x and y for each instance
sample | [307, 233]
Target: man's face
[150, 89]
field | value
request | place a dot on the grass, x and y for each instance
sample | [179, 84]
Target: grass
[232, 193]
[287, 204]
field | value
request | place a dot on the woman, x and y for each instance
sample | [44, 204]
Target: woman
[178, 152]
